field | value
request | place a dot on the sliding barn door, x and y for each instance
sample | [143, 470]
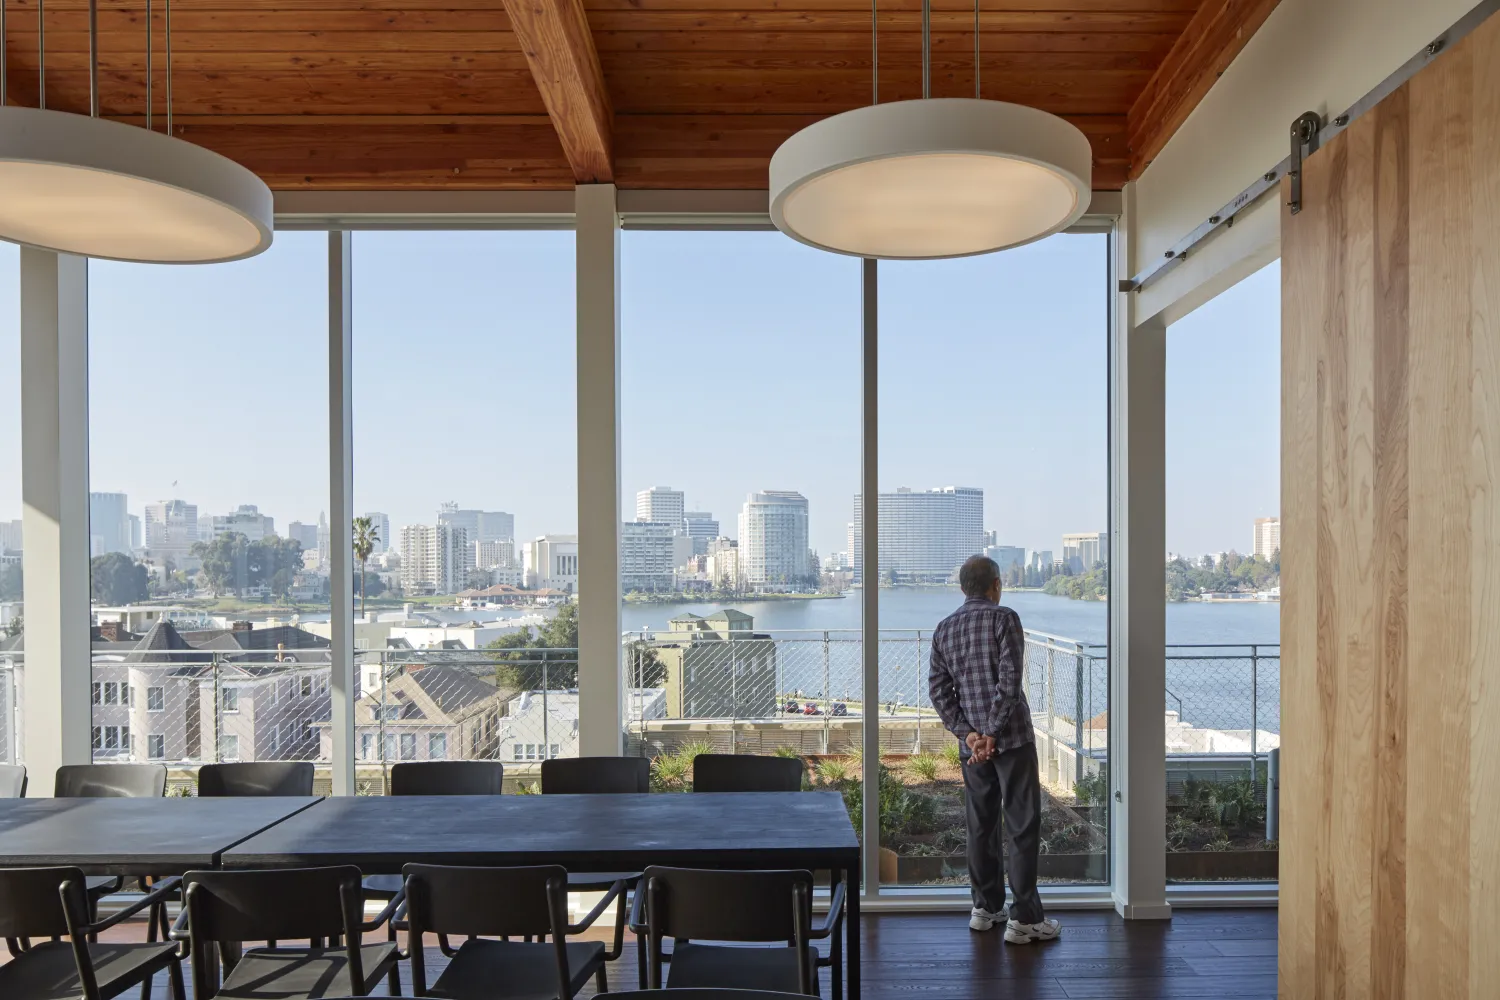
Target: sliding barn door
[1390, 850]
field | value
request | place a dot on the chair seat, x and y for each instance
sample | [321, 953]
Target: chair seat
[381, 886]
[49, 972]
[489, 970]
[723, 967]
[303, 973]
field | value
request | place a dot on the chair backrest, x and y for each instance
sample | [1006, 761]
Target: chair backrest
[694, 993]
[31, 905]
[595, 775]
[270, 777]
[448, 777]
[106, 781]
[737, 772]
[708, 905]
[12, 781]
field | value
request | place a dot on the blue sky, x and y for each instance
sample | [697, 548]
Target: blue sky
[740, 372]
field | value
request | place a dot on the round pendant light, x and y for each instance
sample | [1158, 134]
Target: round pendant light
[84, 185]
[931, 178]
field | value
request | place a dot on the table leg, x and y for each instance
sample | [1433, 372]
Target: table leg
[851, 947]
[835, 946]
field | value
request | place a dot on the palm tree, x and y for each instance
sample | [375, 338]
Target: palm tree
[366, 537]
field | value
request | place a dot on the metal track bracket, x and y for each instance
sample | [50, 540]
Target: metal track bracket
[1304, 143]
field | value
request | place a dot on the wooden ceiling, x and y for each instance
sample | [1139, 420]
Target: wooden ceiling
[445, 94]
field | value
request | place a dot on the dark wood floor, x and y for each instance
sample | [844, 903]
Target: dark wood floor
[1198, 955]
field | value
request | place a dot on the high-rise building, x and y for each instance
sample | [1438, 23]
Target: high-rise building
[722, 565]
[435, 559]
[171, 528]
[246, 520]
[109, 524]
[661, 504]
[552, 562]
[495, 553]
[1267, 537]
[647, 556]
[1039, 560]
[702, 528]
[925, 535]
[135, 531]
[773, 539]
[10, 536]
[1083, 550]
[325, 548]
[1006, 556]
[382, 525]
[305, 535]
[481, 525]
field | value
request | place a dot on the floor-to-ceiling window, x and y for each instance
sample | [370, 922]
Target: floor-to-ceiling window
[12, 619]
[993, 433]
[208, 456]
[740, 426]
[1223, 704]
[465, 499]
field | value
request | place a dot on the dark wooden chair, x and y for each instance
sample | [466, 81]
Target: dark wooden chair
[489, 903]
[268, 777]
[12, 781]
[705, 994]
[104, 781]
[737, 772]
[223, 908]
[689, 905]
[50, 903]
[448, 777]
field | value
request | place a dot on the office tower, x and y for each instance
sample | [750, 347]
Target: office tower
[305, 535]
[382, 525]
[135, 532]
[246, 520]
[109, 524]
[10, 536]
[171, 528]
[1267, 537]
[925, 535]
[1083, 550]
[702, 528]
[647, 555]
[480, 525]
[435, 559]
[1007, 556]
[661, 504]
[773, 539]
[325, 550]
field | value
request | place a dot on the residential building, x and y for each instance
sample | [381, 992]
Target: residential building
[1267, 537]
[773, 540]
[171, 529]
[925, 535]
[661, 504]
[435, 559]
[552, 563]
[701, 527]
[109, 524]
[722, 565]
[382, 525]
[1082, 551]
[495, 553]
[647, 555]
[429, 712]
[717, 667]
[246, 520]
[1007, 556]
[543, 725]
[481, 525]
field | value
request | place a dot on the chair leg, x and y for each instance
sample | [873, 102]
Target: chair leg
[601, 979]
[179, 991]
[641, 947]
[393, 980]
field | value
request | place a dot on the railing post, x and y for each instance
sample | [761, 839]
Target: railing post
[546, 722]
[218, 711]
[734, 696]
[380, 727]
[1078, 713]
[1051, 710]
[1254, 706]
[827, 695]
[917, 695]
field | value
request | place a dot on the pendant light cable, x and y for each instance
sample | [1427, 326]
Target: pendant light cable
[926, 49]
[149, 73]
[93, 58]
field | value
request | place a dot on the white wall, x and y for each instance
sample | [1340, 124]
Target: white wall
[1310, 55]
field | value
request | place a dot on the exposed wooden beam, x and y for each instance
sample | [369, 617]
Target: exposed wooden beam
[555, 38]
[1204, 50]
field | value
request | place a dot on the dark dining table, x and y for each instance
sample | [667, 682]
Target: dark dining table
[380, 834]
[128, 836]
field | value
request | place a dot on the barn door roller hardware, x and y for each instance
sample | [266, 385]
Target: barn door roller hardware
[1304, 138]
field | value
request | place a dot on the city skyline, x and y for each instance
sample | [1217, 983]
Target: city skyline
[498, 309]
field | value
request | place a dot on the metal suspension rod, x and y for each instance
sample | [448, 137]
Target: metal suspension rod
[41, 53]
[874, 50]
[168, 5]
[94, 58]
[976, 50]
[3, 38]
[149, 73]
[926, 49]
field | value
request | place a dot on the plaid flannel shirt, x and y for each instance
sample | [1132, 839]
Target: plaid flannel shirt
[975, 679]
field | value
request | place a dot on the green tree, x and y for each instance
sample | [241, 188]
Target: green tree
[15, 627]
[366, 537]
[224, 562]
[115, 578]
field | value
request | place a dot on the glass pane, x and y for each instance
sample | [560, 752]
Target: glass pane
[740, 446]
[1223, 697]
[465, 497]
[993, 441]
[11, 617]
[208, 457]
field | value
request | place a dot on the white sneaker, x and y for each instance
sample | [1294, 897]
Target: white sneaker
[1019, 933]
[983, 920]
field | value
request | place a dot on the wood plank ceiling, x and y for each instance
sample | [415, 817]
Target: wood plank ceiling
[443, 94]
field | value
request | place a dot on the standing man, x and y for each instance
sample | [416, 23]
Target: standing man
[975, 683]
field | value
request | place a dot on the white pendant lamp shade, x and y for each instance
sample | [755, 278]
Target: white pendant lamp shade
[99, 188]
[946, 177]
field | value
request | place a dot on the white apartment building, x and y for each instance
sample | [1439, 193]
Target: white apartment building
[435, 559]
[382, 525]
[773, 539]
[109, 524]
[648, 551]
[1267, 537]
[495, 553]
[1083, 550]
[481, 525]
[925, 535]
[246, 520]
[552, 563]
[661, 504]
[722, 565]
[171, 528]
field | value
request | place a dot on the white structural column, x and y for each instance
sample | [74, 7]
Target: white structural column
[342, 684]
[1138, 609]
[55, 520]
[869, 593]
[600, 687]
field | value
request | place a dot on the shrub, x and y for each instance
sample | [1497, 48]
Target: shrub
[1092, 789]
[924, 766]
[673, 771]
[791, 753]
[901, 810]
[833, 770]
[952, 754]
